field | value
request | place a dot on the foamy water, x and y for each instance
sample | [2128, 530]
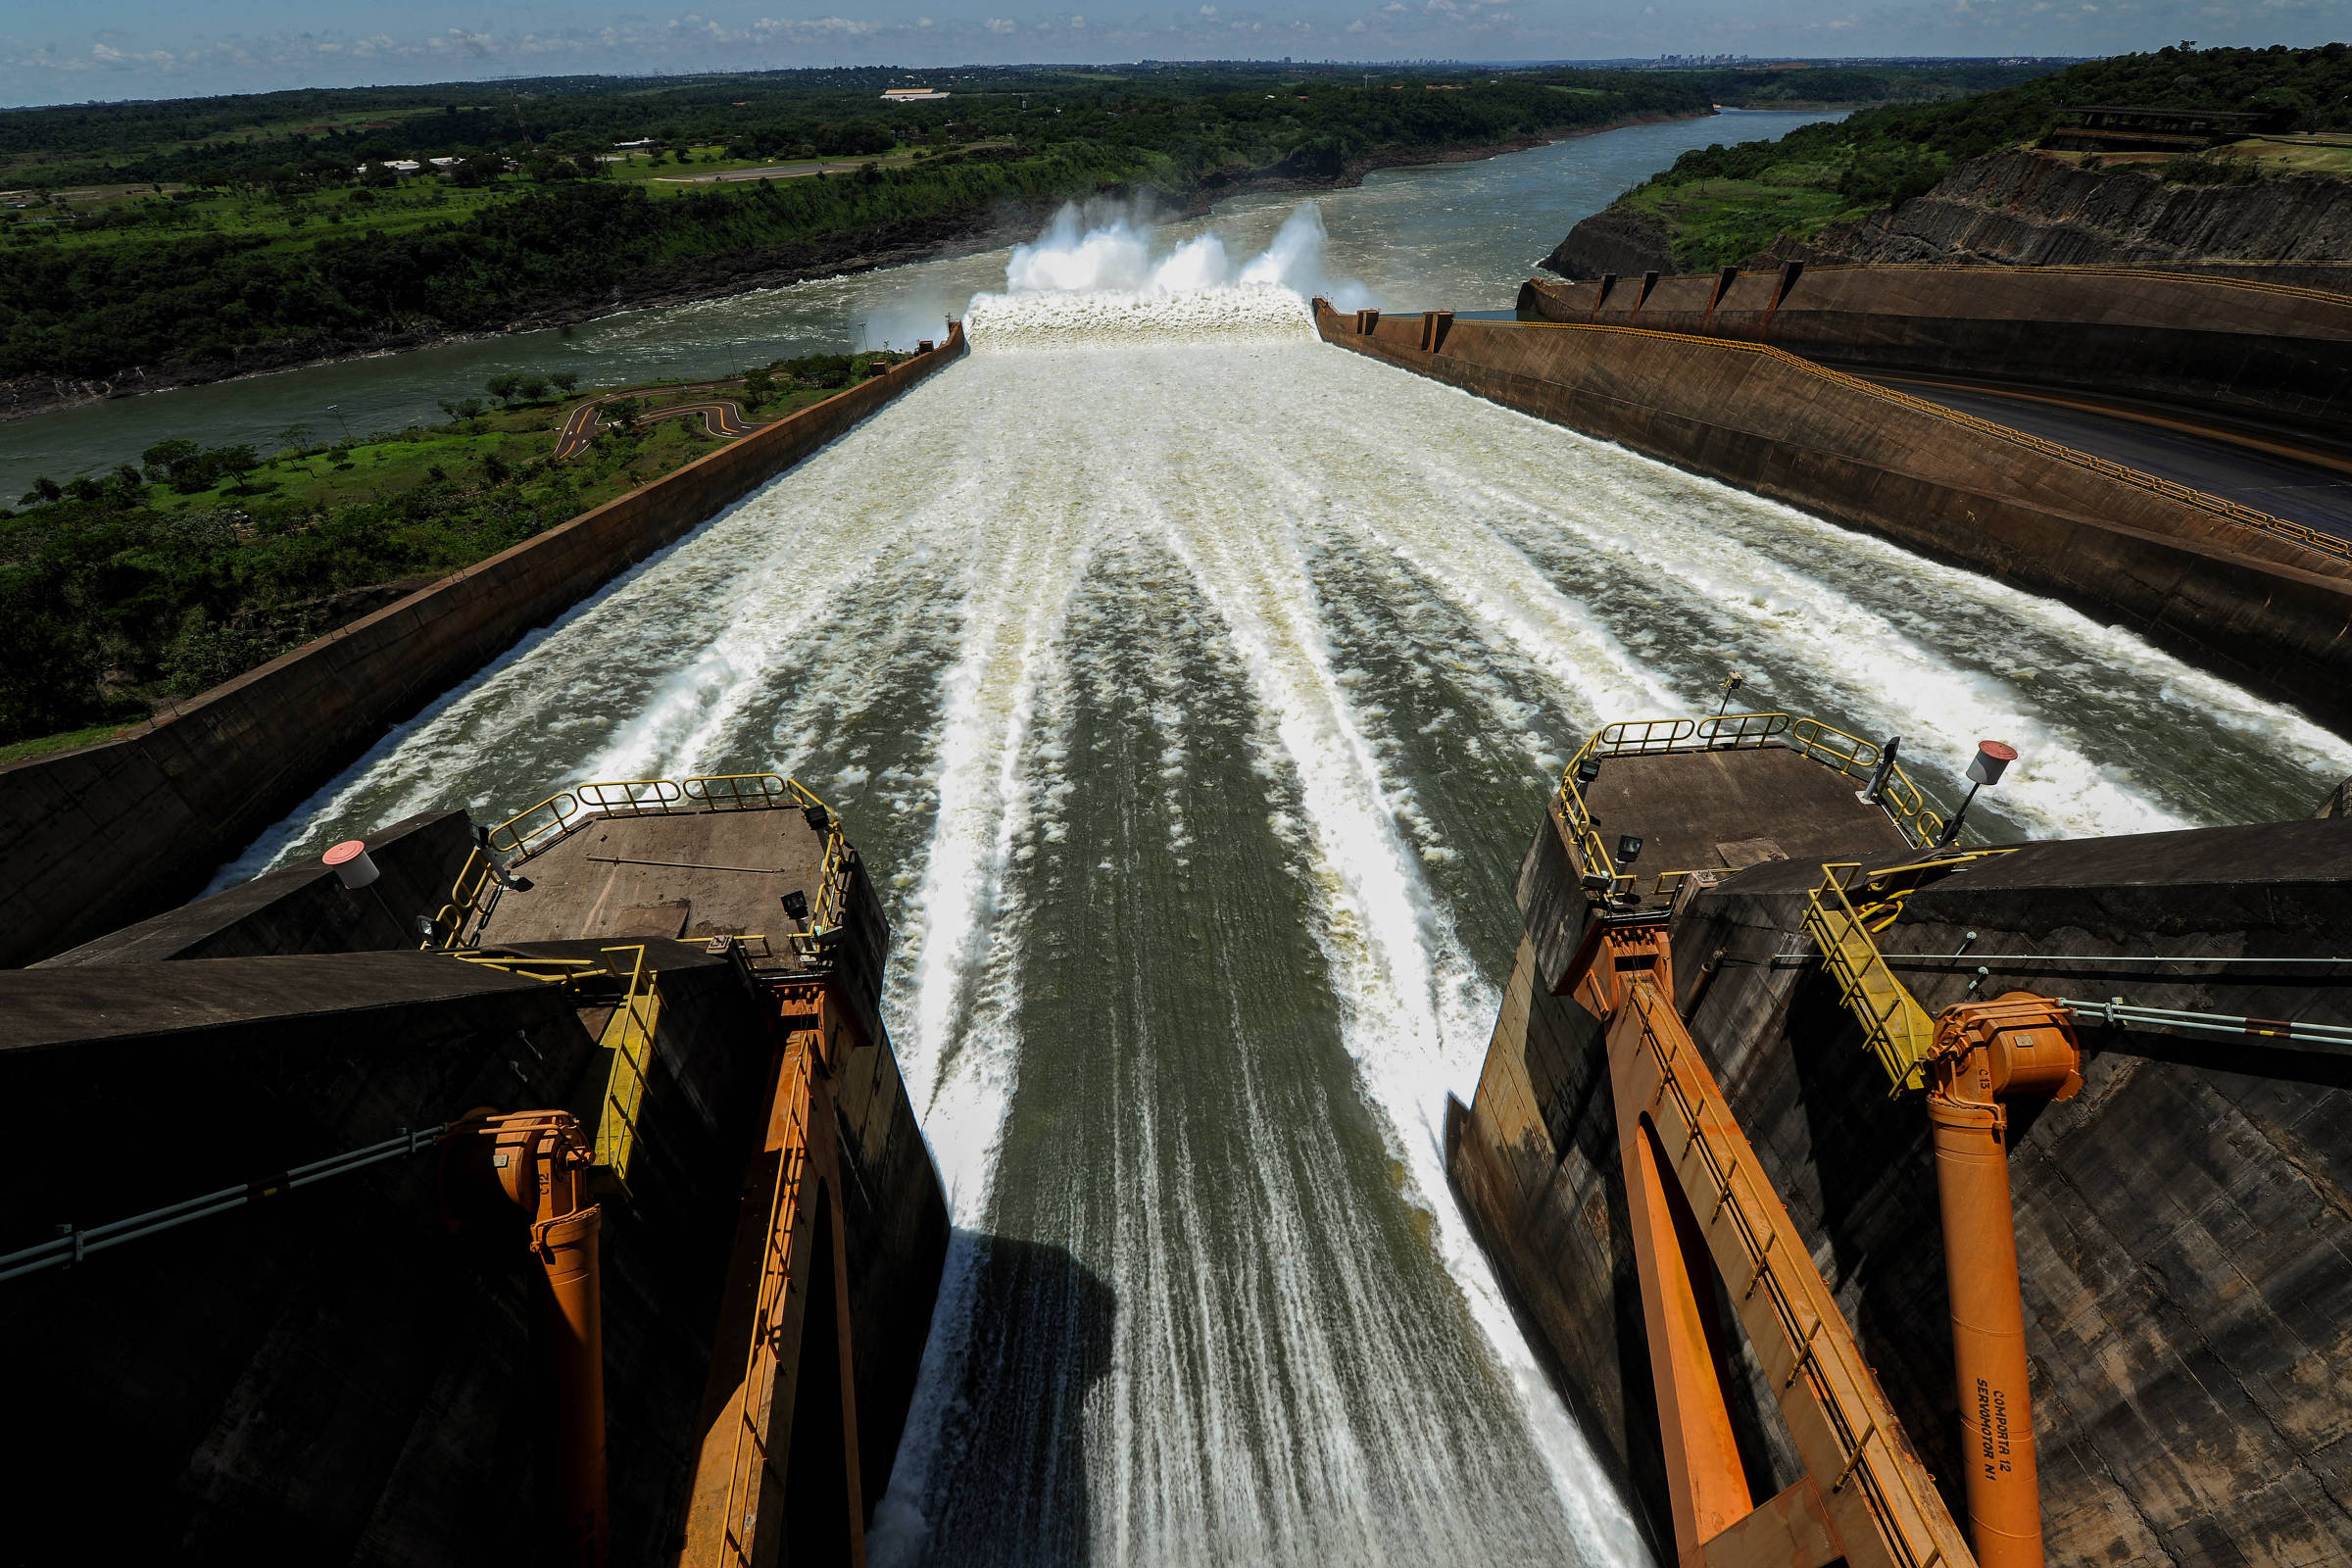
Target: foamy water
[1192, 687]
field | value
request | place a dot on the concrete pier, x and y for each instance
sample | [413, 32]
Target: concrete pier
[2184, 1301]
[326, 1373]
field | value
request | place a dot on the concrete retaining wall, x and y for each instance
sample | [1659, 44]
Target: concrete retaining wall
[2260, 354]
[94, 838]
[2257, 607]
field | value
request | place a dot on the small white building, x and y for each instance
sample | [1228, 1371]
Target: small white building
[642, 141]
[445, 165]
[912, 95]
[403, 165]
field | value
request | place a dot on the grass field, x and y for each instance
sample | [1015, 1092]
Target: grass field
[1721, 222]
[134, 213]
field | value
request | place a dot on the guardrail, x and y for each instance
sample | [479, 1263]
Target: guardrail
[2248, 517]
[532, 830]
[1637, 737]
[74, 1243]
[2252, 285]
[1895, 793]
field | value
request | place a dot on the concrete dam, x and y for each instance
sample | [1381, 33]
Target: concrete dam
[1118, 1088]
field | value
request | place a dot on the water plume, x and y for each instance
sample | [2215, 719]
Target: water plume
[1085, 282]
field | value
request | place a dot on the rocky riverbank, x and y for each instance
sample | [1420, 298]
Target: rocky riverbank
[2025, 208]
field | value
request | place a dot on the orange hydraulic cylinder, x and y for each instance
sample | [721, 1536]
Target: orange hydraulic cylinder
[572, 1315]
[1988, 1331]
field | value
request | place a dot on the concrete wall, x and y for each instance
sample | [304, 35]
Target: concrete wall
[304, 908]
[93, 838]
[2258, 353]
[2253, 605]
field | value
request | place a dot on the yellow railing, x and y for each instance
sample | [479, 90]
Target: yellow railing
[632, 796]
[1638, 737]
[459, 923]
[1893, 1024]
[2308, 537]
[1898, 796]
[530, 831]
[534, 827]
[733, 791]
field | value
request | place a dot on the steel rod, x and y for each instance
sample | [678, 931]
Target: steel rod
[79, 1243]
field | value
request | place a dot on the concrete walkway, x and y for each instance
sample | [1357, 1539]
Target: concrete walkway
[2311, 488]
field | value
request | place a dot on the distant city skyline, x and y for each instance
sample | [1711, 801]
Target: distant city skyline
[118, 49]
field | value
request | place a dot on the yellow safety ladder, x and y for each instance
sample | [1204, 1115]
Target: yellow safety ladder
[1893, 1023]
[629, 1036]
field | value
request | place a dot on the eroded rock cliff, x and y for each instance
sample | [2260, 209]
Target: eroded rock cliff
[2024, 207]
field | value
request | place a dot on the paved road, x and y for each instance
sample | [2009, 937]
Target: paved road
[2314, 493]
[771, 171]
[722, 417]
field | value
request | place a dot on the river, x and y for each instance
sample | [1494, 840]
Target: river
[1468, 232]
[1193, 697]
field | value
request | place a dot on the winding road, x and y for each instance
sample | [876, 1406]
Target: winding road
[721, 417]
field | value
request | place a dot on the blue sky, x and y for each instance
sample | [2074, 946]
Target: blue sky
[110, 49]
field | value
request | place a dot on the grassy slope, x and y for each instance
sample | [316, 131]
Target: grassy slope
[1722, 205]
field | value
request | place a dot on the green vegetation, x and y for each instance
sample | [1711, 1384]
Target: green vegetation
[190, 233]
[1722, 205]
[121, 592]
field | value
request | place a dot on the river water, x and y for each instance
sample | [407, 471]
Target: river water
[1192, 687]
[1454, 235]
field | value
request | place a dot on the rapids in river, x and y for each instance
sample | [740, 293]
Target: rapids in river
[1192, 687]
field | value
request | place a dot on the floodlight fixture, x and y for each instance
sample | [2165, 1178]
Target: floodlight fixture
[1991, 760]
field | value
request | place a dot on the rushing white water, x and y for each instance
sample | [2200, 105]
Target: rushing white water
[1193, 687]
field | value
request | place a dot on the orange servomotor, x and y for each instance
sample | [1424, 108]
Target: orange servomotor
[538, 1163]
[1984, 1055]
